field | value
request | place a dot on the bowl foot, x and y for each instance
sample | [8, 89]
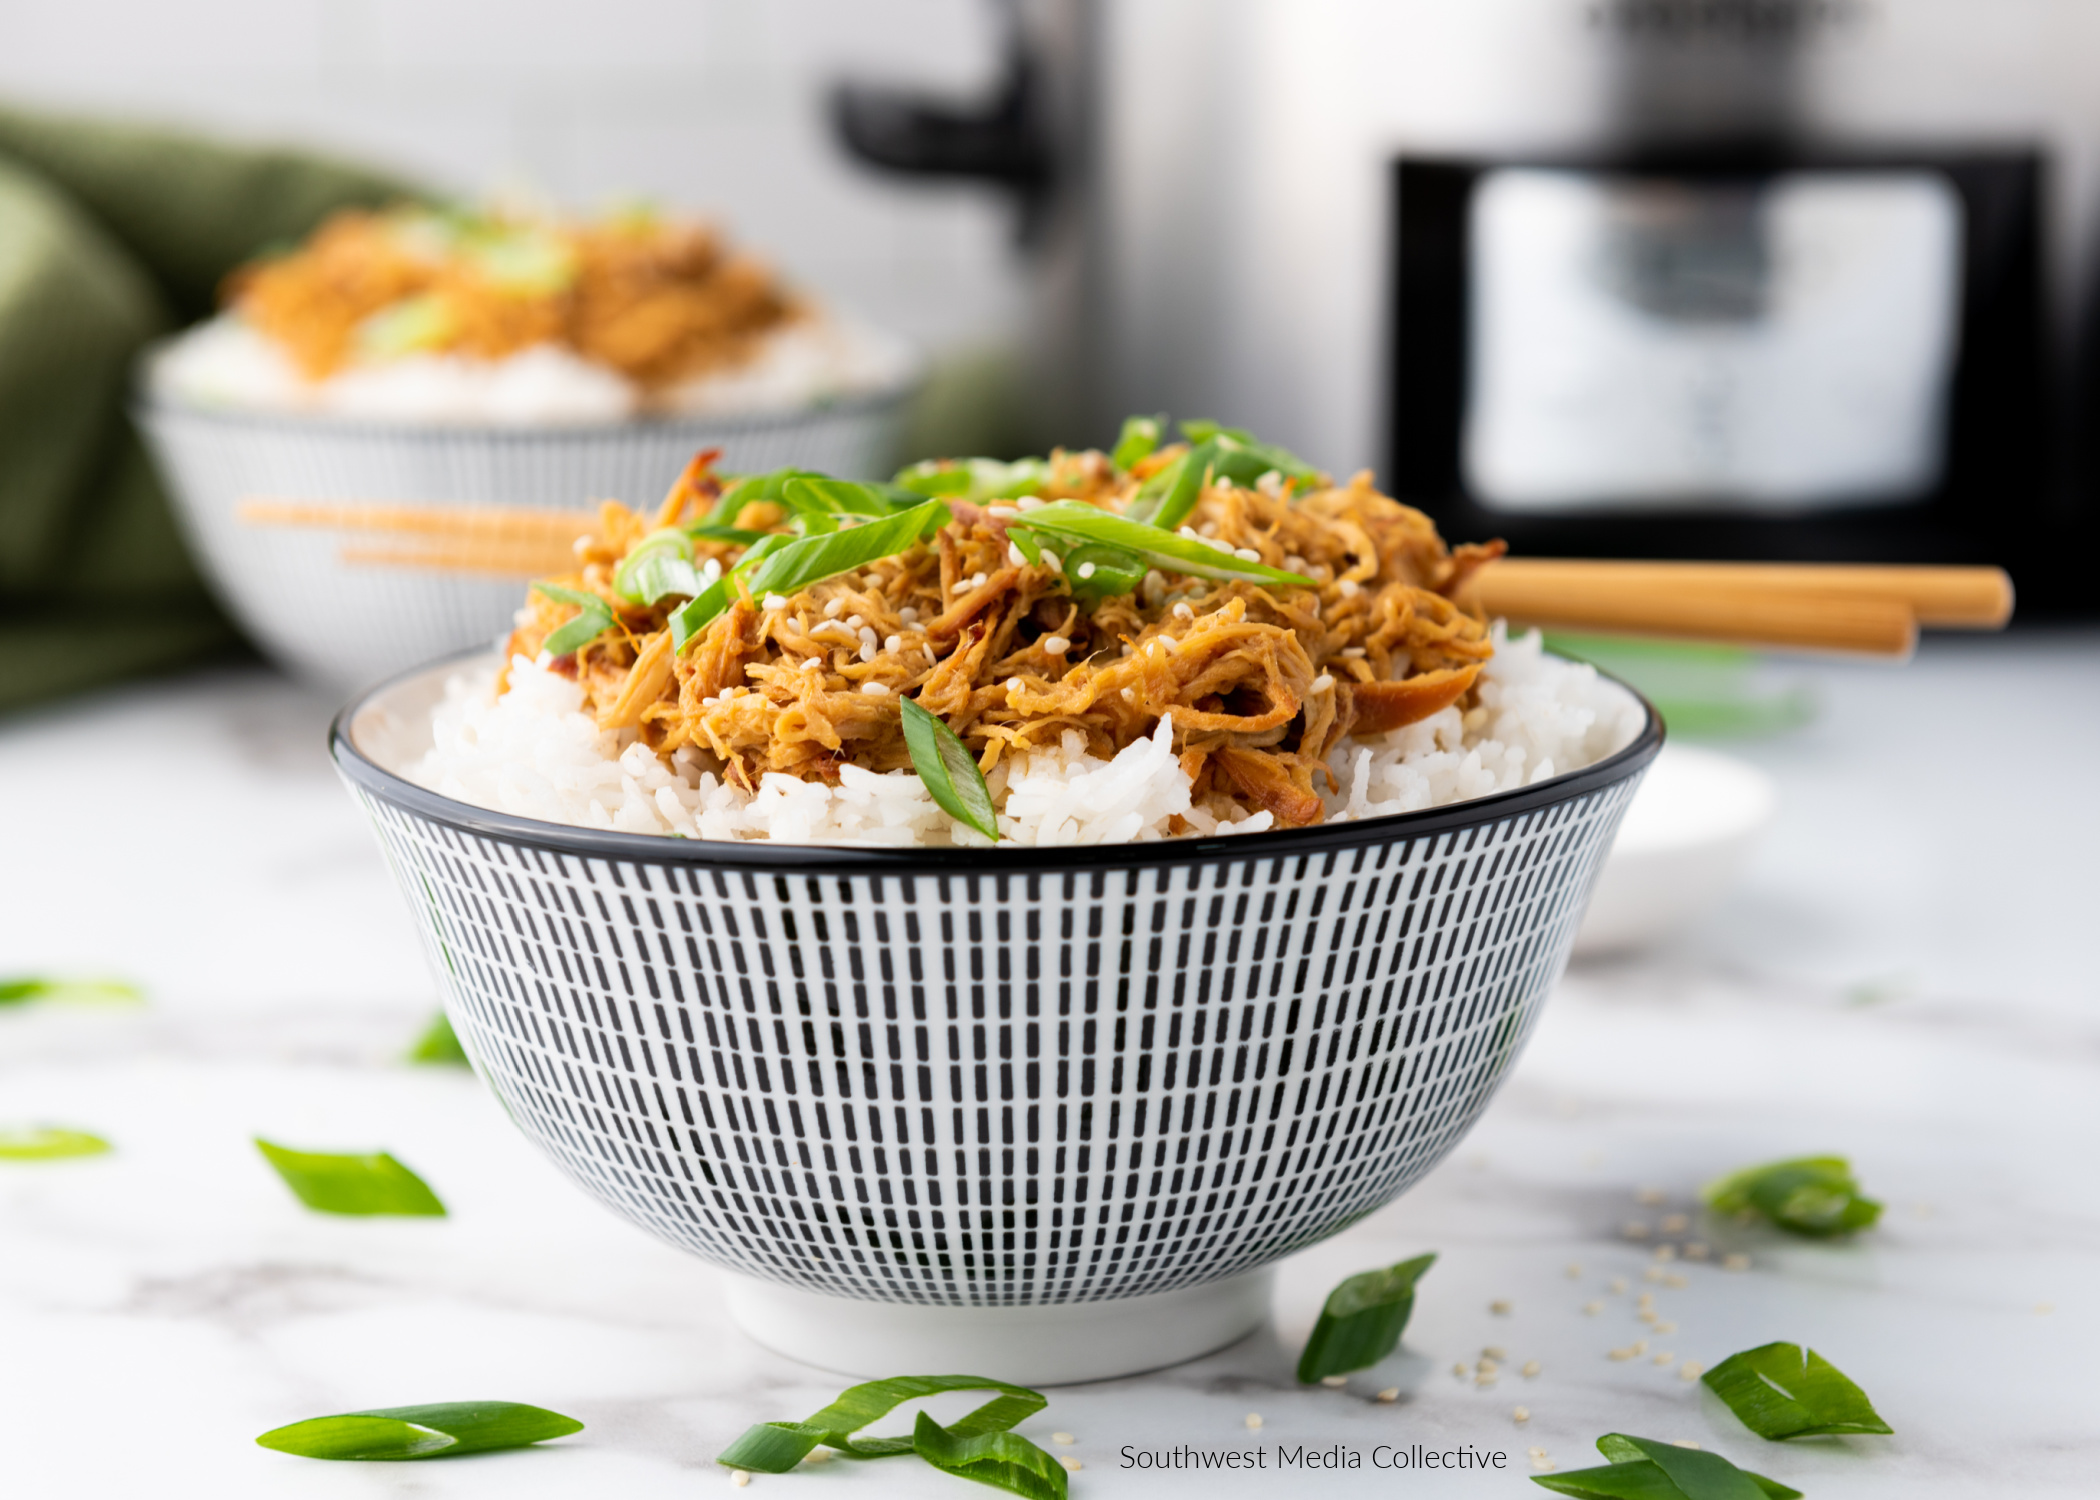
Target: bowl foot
[1054, 1345]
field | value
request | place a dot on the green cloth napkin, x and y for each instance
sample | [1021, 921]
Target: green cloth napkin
[112, 235]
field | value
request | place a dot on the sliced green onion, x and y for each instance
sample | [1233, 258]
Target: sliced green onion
[776, 1447]
[1643, 1469]
[1248, 457]
[593, 618]
[837, 497]
[444, 1430]
[1138, 440]
[1810, 1195]
[406, 327]
[1160, 549]
[976, 479]
[1362, 1321]
[1004, 1460]
[529, 262]
[749, 488]
[1172, 491]
[23, 988]
[948, 770]
[1097, 570]
[439, 1044]
[660, 564]
[48, 1143]
[797, 562]
[366, 1184]
[740, 535]
[1785, 1391]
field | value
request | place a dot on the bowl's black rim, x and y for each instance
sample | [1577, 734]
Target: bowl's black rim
[821, 859]
[147, 405]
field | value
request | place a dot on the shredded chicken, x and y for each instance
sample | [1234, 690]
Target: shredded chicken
[661, 303]
[1262, 681]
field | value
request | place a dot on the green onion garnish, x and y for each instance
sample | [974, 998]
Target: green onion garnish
[1247, 457]
[1362, 1321]
[838, 497]
[1138, 440]
[948, 770]
[786, 565]
[593, 618]
[413, 324]
[976, 479]
[1810, 1195]
[660, 563]
[439, 1044]
[1786, 1391]
[48, 1143]
[444, 1430]
[23, 988]
[368, 1184]
[1161, 549]
[776, 1447]
[1644, 1469]
[1095, 570]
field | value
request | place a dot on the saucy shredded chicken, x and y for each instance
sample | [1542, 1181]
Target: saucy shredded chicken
[1261, 681]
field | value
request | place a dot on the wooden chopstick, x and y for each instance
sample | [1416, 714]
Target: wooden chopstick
[1941, 598]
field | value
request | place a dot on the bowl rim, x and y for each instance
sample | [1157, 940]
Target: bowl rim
[821, 859]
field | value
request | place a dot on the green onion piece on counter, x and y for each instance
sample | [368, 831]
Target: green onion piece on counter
[797, 562]
[1643, 1469]
[48, 1143]
[1160, 549]
[776, 1447]
[1785, 1391]
[369, 1184]
[593, 618]
[948, 769]
[440, 1044]
[1810, 1195]
[444, 1430]
[1138, 440]
[21, 989]
[1004, 1460]
[1250, 457]
[1362, 1321]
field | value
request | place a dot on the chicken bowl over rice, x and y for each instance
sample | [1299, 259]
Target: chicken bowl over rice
[1187, 639]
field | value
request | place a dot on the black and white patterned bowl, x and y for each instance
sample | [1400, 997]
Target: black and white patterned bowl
[937, 1102]
[345, 624]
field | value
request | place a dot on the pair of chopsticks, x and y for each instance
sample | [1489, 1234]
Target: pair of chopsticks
[1855, 608]
[1860, 609]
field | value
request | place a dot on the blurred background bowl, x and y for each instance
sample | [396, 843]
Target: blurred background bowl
[344, 610]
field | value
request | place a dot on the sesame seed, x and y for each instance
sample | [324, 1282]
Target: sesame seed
[776, 601]
[1531, 1368]
[1003, 512]
[1070, 1462]
[875, 689]
[1489, 1367]
[1684, 1443]
[1634, 1229]
[1086, 570]
[855, 622]
[739, 1478]
[1460, 1371]
[1666, 1252]
[1521, 1414]
[1323, 683]
[1484, 1382]
[1674, 1280]
[1015, 556]
[1390, 1393]
[1224, 482]
[1190, 533]
[1349, 588]
[1735, 1262]
[1653, 1273]
[1574, 1271]
[1663, 1327]
[1129, 696]
[813, 663]
[1253, 1420]
[1675, 1224]
[711, 570]
[1593, 1308]
[1065, 1438]
[867, 650]
[1354, 653]
[1184, 609]
[1167, 641]
[1536, 1452]
[892, 642]
[1618, 1286]
[1013, 684]
[1651, 1196]
[1696, 1250]
[1493, 1352]
[1663, 1359]
[1031, 502]
[1056, 645]
[1334, 1382]
[978, 580]
[1208, 530]
[817, 1456]
[908, 615]
[1499, 1307]
[1690, 1370]
[1246, 554]
[1055, 563]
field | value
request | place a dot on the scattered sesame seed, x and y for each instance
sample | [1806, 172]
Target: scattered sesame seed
[1489, 1367]
[1736, 1262]
[1654, 1274]
[1574, 1271]
[1691, 1369]
[1696, 1250]
[739, 1477]
[817, 1456]
[813, 663]
[1253, 1420]
[1460, 1371]
[867, 650]
[1499, 1307]
[1618, 1286]
[1224, 482]
[833, 608]
[978, 580]
[1593, 1308]
[1676, 1281]
[1070, 1462]
[1334, 1382]
[1349, 588]
[1015, 556]
[875, 689]
[1190, 533]
[1167, 641]
[1684, 1443]
[1493, 1352]
[1013, 684]
[1390, 1393]
[1354, 653]
[1634, 1229]
[1675, 1224]
[1322, 683]
[1484, 1382]
[1186, 610]
[1536, 1452]
[1086, 570]
[908, 615]
[1207, 530]
[776, 601]
[1521, 1414]
[1129, 696]
[1003, 512]
[1666, 1252]
[1543, 1464]
[1663, 1327]
[1056, 645]
[1531, 1368]
[1664, 1358]
[1650, 1196]
[892, 642]
[1246, 554]
[1031, 502]
[1065, 1438]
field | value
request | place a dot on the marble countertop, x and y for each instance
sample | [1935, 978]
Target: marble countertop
[1905, 976]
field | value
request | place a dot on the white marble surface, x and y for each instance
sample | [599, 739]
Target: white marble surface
[1906, 977]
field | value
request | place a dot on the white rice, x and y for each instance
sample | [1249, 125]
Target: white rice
[225, 364]
[535, 754]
